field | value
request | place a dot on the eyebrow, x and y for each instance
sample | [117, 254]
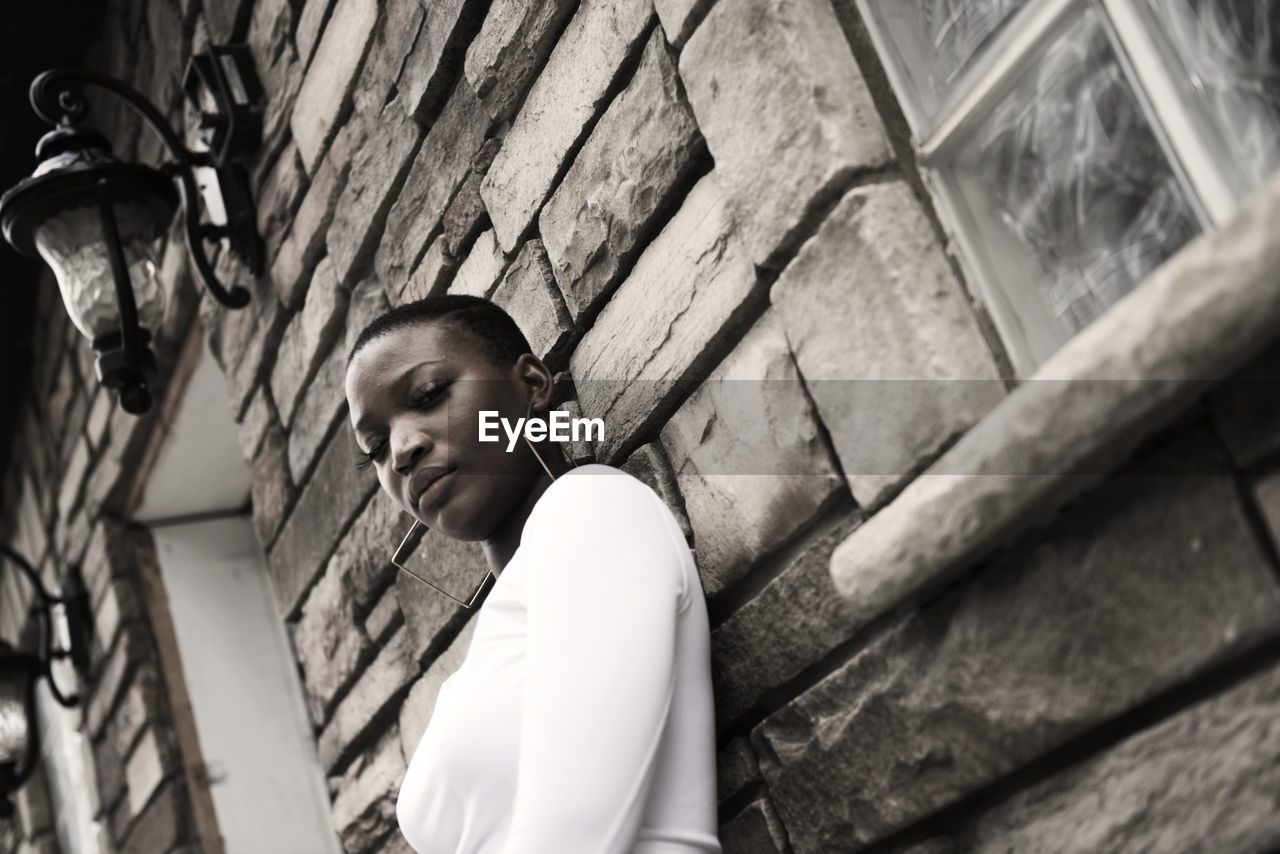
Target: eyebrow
[364, 421]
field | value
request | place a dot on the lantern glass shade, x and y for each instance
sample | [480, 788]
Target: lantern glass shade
[13, 715]
[73, 244]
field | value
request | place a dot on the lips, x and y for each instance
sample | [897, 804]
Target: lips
[423, 479]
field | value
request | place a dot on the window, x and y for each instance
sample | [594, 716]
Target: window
[1073, 145]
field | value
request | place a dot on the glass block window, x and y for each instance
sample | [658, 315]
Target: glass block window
[1074, 145]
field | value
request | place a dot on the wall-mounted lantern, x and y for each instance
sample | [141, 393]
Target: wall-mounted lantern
[20, 674]
[94, 218]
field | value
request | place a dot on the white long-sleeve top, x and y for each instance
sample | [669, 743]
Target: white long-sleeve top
[582, 720]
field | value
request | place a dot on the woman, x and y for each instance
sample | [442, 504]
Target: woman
[581, 721]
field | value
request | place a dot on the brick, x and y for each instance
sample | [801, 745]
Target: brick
[332, 497]
[143, 770]
[378, 687]
[432, 275]
[510, 49]
[458, 566]
[399, 28]
[785, 111]
[650, 464]
[323, 404]
[528, 293]
[303, 246]
[564, 99]
[890, 351]
[272, 491]
[798, 611]
[368, 301]
[439, 168]
[465, 217]
[736, 769]
[418, 706]
[258, 415]
[365, 552]
[377, 168]
[1153, 579]
[680, 17]
[73, 477]
[479, 274]
[307, 339]
[691, 282]
[749, 456]
[259, 358]
[1267, 494]
[755, 830]
[331, 646]
[163, 824]
[430, 68]
[1202, 780]
[640, 153]
[325, 95]
[364, 811]
[385, 617]
[311, 22]
[278, 198]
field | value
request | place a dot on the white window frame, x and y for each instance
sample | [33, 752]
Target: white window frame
[1185, 132]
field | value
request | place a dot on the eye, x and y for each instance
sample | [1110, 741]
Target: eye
[368, 457]
[426, 395]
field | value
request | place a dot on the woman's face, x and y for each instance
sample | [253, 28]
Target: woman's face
[415, 396]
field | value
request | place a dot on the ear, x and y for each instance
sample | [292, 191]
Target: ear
[537, 379]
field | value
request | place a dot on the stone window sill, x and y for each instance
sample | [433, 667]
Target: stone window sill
[1203, 314]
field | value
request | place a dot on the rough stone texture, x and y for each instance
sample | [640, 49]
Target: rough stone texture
[529, 294]
[259, 414]
[736, 769]
[755, 830]
[306, 340]
[377, 168]
[1153, 579]
[385, 617]
[432, 275]
[278, 198]
[163, 824]
[304, 245]
[479, 273]
[1203, 780]
[323, 403]
[362, 709]
[1247, 409]
[442, 163]
[332, 75]
[431, 65]
[895, 361]
[688, 285]
[565, 97]
[259, 359]
[749, 457]
[272, 490]
[418, 706]
[328, 501]
[310, 23]
[650, 464]
[365, 808]
[368, 300]
[331, 646]
[680, 17]
[457, 566]
[797, 611]
[640, 152]
[365, 552]
[785, 111]
[399, 27]
[465, 217]
[509, 51]
[1204, 314]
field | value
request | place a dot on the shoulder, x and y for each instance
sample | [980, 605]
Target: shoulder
[599, 497]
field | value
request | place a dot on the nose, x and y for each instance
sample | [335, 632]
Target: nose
[408, 443]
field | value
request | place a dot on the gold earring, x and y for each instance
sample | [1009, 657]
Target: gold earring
[396, 558]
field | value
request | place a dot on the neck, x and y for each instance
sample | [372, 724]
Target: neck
[499, 548]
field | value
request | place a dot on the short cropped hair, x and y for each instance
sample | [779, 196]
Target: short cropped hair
[499, 336]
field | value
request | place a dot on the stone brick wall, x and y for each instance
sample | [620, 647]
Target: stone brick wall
[671, 197]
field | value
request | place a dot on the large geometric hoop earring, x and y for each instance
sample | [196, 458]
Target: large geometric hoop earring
[396, 558]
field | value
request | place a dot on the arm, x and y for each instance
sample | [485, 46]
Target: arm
[604, 590]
